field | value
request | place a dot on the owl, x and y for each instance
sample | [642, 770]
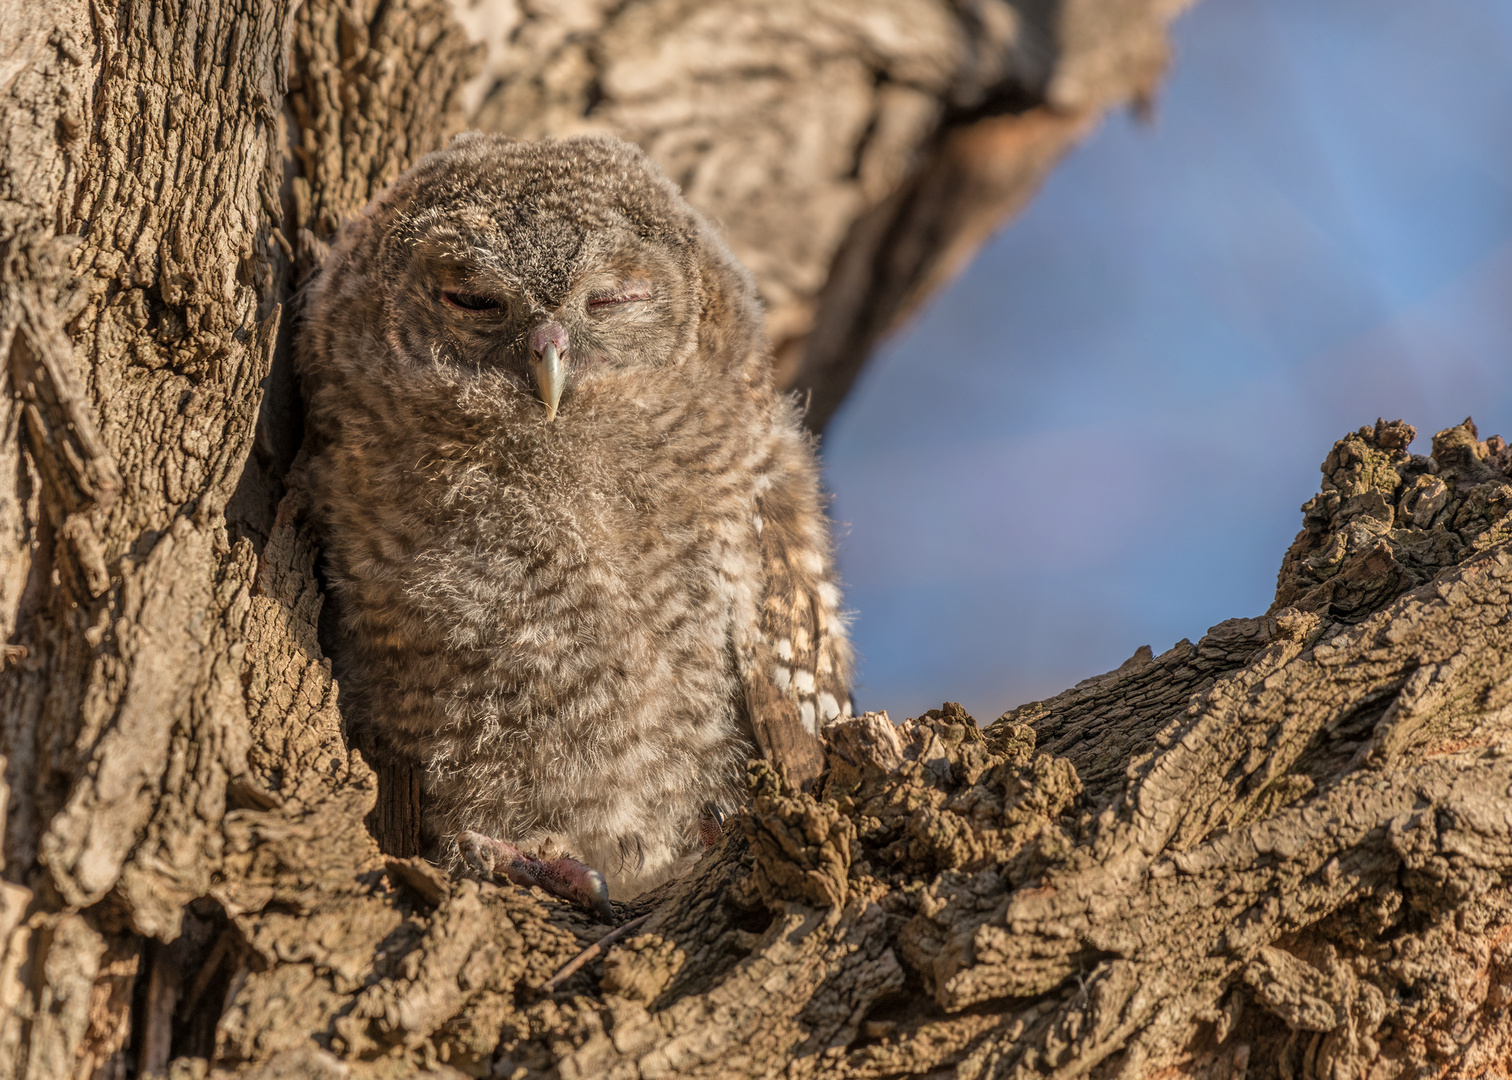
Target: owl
[574, 537]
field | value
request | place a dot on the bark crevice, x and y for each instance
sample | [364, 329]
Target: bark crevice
[1284, 849]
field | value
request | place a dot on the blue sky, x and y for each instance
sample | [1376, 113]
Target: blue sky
[1146, 367]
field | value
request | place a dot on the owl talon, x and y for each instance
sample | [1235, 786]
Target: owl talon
[710, 826]
[563, 876]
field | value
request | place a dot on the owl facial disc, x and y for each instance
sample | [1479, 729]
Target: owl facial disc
[550, 376]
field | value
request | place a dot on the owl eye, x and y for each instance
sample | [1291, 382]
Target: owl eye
[470, 301]
[610, 299]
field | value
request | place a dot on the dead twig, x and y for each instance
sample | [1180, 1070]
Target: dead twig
[592, 951]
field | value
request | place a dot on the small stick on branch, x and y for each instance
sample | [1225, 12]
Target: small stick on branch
[592, 951]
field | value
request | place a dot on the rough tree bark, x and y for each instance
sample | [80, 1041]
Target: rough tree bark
[1284, 849]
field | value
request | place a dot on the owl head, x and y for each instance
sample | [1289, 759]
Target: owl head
[545, 263]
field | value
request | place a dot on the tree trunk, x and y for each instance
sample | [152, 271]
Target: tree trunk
[1284, 849]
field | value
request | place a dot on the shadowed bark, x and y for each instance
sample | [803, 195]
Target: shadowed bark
[1284, 849]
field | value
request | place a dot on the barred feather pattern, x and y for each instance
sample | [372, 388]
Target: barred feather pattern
[574, 630]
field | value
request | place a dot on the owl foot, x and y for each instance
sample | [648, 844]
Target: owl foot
[710, 826]
[564, 876]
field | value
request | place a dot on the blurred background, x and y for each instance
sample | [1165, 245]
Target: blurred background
[1099, 436]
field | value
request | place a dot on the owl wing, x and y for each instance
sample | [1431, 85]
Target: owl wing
[795, 661]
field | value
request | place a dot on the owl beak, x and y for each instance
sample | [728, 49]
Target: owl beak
[550, 377]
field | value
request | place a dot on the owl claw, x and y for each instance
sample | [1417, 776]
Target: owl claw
[564, 876]
[595, 891]
[710, 826]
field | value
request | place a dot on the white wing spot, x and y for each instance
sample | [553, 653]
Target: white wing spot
[782, 677]
[806, 713]
[803, 681]
[785, 650]
[829, 594]
[829, 708]
[756, 520]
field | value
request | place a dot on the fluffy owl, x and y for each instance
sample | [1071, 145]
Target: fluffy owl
[574, 536]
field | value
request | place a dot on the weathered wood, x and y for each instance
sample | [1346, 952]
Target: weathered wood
[1285, 849]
